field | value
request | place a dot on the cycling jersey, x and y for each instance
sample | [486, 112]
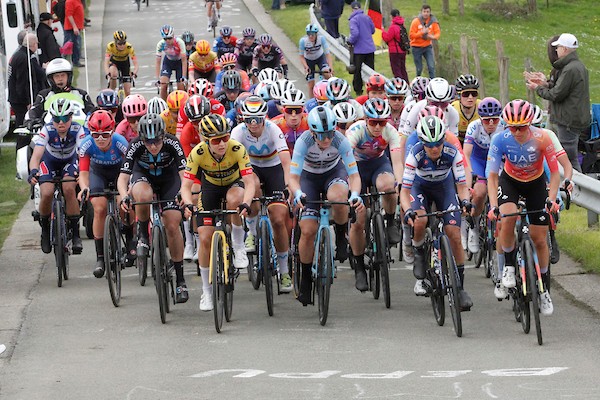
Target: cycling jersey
[310, 104]
[114, 54]
[220, 47]
[313, 50]
[422, 169]
[245, 53]
[291, 134]
[57, 147]
[272, 58]
[190, 137]
[480, 140]
[450, 138]
[182, 119]
[412, 118]
[202, 64]
[243, 74]
[523, 162]
[367, 147]
[170, 122]
[45, 97]
[263, 150]
[170, 158]
[395, 121]
[221, 97]
[124, 129]
[463, 121]
[91, 156]
[220, 172]
[408, 105]
[309, 157]
[173, 51]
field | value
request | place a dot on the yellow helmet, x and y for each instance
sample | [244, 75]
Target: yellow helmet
[203, 47]
[214, 125]
[176, 99]
[120, 36]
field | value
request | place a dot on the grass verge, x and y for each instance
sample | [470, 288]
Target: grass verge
[13, 193]
[577, 240]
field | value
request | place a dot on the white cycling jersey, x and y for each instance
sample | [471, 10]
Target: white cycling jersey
[412, 118]
[263, 150]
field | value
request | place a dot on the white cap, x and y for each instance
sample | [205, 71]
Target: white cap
[567, 40]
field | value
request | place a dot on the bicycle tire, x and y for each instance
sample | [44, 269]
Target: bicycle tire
[533, 289]
[266, 264]
[217, 278]
[522, 301]
[437, 288]
[373, 268]
[324, 275]
[382, 258]
[89, 220]
[295, 259]
[452, 288]
[147, 3]
[112, 259]
[158, 267]
[59, 247]
[482, 253]
[255, 273]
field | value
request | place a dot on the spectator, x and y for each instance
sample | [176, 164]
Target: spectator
[59, 10]
[331, 11]
[361, 38]
[48, 44]
[393, 38]
[423, 30]
[569, 95]
[20, 69]
[74, 20]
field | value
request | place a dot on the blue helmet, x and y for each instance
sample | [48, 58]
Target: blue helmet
[321, 119]
[312, 28]
[489, 107]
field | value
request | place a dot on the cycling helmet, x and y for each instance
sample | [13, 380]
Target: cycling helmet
[187, 37]
[135, 105]
[203, 47]
[176, 99]
[265, 39]
[228, 59]
[431, 130]
[55, 66]
[107, 98]
[157, 105]
[263, 89]
[418, 87]
[279, 87]
[466, 81]
[375, 82]
[254, 106]
[225, 31]
[517, 112]
[321, 119]
[345, 112]
[151, 127]
[538, 116]
[167, 31]
[197, 107]
[489, 107]
[312, 28]
[377, 109]
[239, 101]
[268, 74]
[204, 87]
[432, 110]
[214, 125]
[101, 121]
[293, 98]
[396, 87]
[231, 80]
[120, 36]
[439, 90]
[61, 108]
[337, 89]
[320, 91]
[248, 32]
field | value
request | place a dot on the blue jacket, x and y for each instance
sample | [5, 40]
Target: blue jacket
[332, 9]
[361, 29]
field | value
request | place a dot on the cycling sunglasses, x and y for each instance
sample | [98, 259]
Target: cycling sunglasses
[105, 135]
[216, 141]
[515, 128]
[375, 122]
[342, 125]
[64, 118]
[324, 135]
[490, 121]
[395, 98]
[292, 110]
[153, 142]
[121, 43]
[466, 93]
[268, 46]
[432, 145]
[254, 120]
[169, 37]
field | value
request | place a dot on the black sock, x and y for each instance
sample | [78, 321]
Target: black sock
[179, 272]
[546, 280]
[340, 231]
[99, 248]
[143, 229]
[389, 219]
[128, 232]
[510, 257]
[74, 225]
[359, 262]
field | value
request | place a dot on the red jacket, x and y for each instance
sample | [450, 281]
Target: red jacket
[392, 36]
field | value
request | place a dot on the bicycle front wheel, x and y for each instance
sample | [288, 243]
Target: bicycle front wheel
[58, 231]
[324, 275]
[382, 259]
[217, 276]
[294, 260]
[452, 288]
[532, 283]
[266, 265]
[157, 257]
[112, 259]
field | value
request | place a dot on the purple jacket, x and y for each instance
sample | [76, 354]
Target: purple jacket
[361, 29]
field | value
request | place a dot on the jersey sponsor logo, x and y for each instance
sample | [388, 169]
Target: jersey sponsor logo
[236, 147]
[264, 150]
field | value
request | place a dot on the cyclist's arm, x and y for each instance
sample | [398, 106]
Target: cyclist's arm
[186, 190]
[157, 66]
[106, 63]
[285, 158]
[468, 150]
[492, 185]
[397, 164]
[136, 66]
[36, 157]
[123, 184]
[249, 187]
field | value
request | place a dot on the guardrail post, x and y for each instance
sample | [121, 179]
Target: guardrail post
[592, 216]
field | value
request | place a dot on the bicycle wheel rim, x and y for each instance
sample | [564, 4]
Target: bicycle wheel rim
[449, 268]
[266, 265]
[324, 276]
[157, 267]
[57, 229]
[437, 297]
[382, 257]
[533, 290]
[523, 301]
[218, 289]
[110, 260]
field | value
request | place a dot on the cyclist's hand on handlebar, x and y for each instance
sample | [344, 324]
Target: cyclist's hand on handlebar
[493, 214]
[466, 206]
[254, 71]
[568, 185]
[33, 177]
[83, 194]
[356, 201]
[243, 210]
[409, 217]
[126, 203]
[552, 206]
[188, 210]
[133, 75]
[299, 198]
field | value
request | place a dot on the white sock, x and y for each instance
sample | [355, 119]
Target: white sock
[197, 238]
[282, 259]
[237, 236]
[406, 233]
[186, 229]
[204, 272]
[251, 223]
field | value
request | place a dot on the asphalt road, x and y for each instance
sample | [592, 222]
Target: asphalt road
[71, 343]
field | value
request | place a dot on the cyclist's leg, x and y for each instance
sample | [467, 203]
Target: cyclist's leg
[235, 196]
[178, 75]
[71, 169]
[385, 182]
[165, 76]
[508, 197]
[114, 76]
[337, 190]
[141, 191]
[45, 206]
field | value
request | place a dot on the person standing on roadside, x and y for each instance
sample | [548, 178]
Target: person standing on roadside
[361, 31]
[397, 52]
[22, 76]
[74, 20]
[47, 41]
[331, 11]
[569, 95]
[423, 30]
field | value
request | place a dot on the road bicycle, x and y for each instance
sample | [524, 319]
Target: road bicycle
[222, 273]
[442, 277]
[214, 19]
[486, 256]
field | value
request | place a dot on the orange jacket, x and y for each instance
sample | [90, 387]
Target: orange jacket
[416, 32]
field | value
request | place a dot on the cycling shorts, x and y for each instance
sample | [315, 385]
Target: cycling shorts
[51, 167]
[209, 75]
[315, 186]
[369, 170]
[124, 67]
[321, 62]
[534, 192]
[244, 62]
[478, 167]
[168, 66]
[212, 198]
[100, 178]
[166, 186]
[271, 178]
[443, 194]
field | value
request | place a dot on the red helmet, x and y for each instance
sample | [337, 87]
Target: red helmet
[101, 121]
[376, 82]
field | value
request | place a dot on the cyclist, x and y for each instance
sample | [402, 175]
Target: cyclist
[396, 90]
[135, 107]
[521, 150]
[434, 173]
[228, 62]
[155, 162]
[345, 116]
[204, 88]
[268, 54]
[293, 120]
[244, 49]
[369, 138]
[156, 105]
[234, 116]
[175, 102]
[314, 52]
[319, 96]
[116, 62]
[270, 159]
[322, 165]
[467, 87]
[375, 86]
[170, 56]
[55, 155]
[223, 166]
[225, 43]
[100, 157]
[417, 93]
[108, 100]
[232, 85]
[218, 4]
[190, 43]
[202, 63]
[338, 90]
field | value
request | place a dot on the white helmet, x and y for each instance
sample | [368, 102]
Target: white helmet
[538, 115]
[268, 74]
[156, 105]
[345, 112]
[293, 98]
[279, 87]
[58, 65]
[439, 90]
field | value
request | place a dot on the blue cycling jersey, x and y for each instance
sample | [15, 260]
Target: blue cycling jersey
[420, 168]
[57, 147]
[309, 157]
[111, 157]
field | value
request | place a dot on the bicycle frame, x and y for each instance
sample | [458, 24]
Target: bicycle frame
[323, 224]
[263, 218]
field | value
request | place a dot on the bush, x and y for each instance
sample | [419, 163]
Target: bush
[496, 9]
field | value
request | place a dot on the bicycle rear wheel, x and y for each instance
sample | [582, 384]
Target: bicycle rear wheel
[142, 266]
[157, 258]
[58, 231]
[255, 273]
[324, 275]
[266, 263]
[522, 300]
[382, 258]
[452, 288]
[532, 283]
[112, 259]
[294, 260]
[217, 275]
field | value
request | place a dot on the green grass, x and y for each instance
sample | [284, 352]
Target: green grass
[579, 241]
[13, 194]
